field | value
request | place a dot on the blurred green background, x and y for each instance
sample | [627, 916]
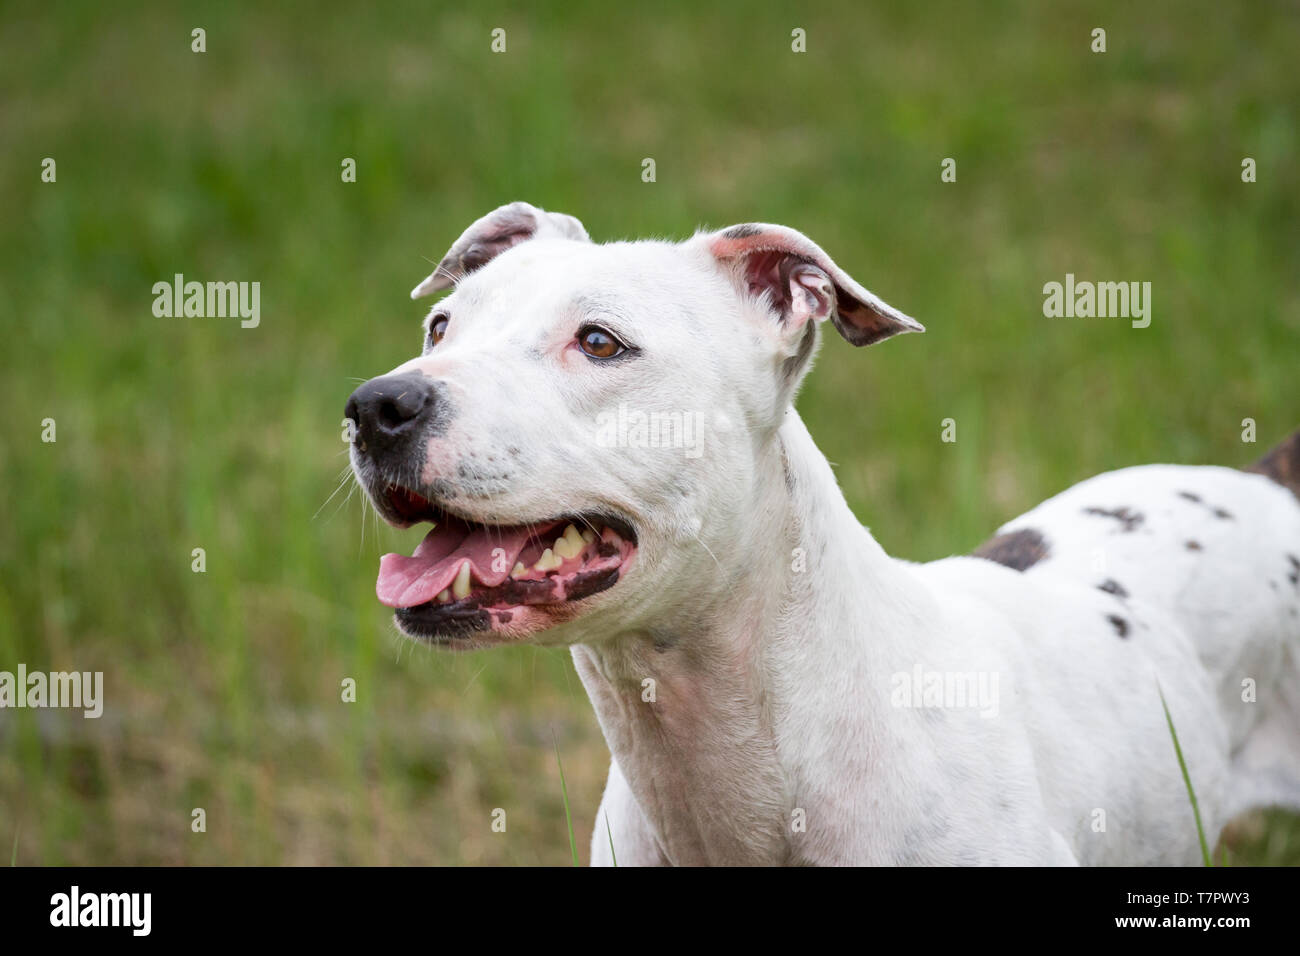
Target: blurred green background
[223, 688]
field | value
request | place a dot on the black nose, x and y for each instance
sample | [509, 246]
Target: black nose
[391, 412]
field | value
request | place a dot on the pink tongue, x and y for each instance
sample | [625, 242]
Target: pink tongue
[406, 582]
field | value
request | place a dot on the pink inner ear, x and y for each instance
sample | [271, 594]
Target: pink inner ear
[763, 273]
[773, 254]
[796, 288]
[812, 293]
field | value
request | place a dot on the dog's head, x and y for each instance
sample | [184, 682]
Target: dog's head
[582, 420]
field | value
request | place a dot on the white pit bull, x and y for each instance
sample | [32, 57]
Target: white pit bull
[776, 689]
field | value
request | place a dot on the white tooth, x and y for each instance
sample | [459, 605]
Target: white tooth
[460, 587]
[547, 562]
[444, 596]
[519, 570]
[588, 535]
[569, 545]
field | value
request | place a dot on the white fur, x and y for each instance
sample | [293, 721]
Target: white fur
[774, 735]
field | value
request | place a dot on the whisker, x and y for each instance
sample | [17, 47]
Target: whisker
[343, 480]
[701, 543]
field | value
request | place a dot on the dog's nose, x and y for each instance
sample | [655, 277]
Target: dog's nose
[391, 411]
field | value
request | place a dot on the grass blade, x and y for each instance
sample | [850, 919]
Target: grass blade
[612, 854]
[1187, 780]
[13, 856]
[564, 792]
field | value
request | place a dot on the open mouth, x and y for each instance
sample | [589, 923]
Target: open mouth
[469, 577]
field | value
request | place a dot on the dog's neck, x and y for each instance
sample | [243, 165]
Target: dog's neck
[715, 747]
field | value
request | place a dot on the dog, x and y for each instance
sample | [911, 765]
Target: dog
[773, 687]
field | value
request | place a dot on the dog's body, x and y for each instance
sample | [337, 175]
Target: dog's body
[1076, 766]
[773, 687]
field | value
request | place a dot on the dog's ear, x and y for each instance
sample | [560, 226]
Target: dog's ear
[802, 283]
[492, 235]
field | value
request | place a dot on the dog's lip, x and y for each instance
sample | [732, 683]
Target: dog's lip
[462, 565]
[469, 623]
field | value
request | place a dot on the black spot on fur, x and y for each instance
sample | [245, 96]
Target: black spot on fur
[664, 642]
[1282, 464]
[1294, 576]
[1111, 586]
[742, 232]
[1120, 625]
[1196, 499]
[1019, 550]
[1130, 519]
[1193, 546]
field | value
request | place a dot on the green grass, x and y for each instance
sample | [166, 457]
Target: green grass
[568, 816]
[1187, 782]
[222, 688]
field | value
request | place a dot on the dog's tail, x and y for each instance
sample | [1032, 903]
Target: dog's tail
[1282, 464]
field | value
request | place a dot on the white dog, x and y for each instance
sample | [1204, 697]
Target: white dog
[604, 438]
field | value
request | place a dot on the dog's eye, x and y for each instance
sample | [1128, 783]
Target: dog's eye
[598, 343]
[437, 329]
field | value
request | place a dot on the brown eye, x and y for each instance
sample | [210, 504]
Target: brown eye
[598, 343]
[437, 329]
